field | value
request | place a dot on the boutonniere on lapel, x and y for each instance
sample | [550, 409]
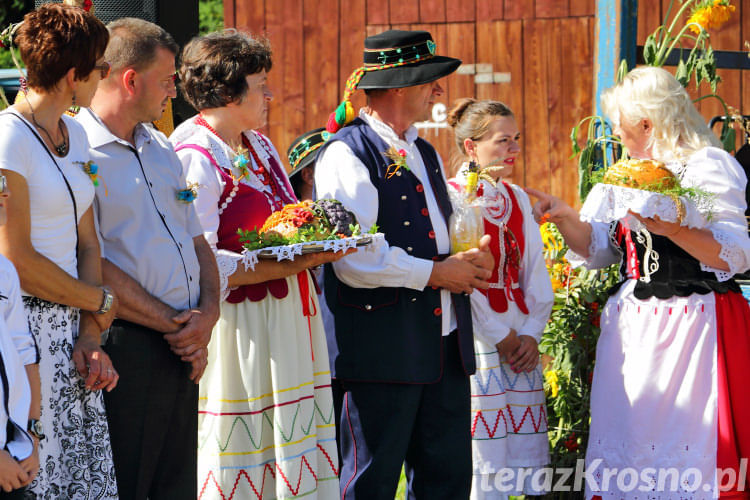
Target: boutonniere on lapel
[189, 194]
[240, 162]
[398, 157]
[91, 169]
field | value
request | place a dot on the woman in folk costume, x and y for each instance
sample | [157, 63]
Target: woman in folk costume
[266, 426]
[508, 421]
[670, 383]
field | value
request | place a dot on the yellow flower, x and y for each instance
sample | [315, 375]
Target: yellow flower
[710, 14]
[548, 238]
[550, 377]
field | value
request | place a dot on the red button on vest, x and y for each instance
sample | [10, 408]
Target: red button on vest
[420, 188]
[425, 212]
[434, 287]
[431, 234]
[437, 311]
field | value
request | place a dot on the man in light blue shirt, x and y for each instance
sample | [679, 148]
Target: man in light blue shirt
[157, 261]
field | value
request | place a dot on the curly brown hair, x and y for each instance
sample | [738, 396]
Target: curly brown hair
[213, 67]
[55, 38]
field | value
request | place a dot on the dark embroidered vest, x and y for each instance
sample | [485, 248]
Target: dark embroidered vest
[662, 268]
[394, 334]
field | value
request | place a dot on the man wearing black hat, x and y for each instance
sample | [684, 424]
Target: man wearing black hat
[403, 338]
[301, 155]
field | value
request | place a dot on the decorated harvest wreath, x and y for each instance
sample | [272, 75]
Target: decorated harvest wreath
[302, 222]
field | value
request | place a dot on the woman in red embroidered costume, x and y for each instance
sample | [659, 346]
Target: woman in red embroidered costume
[508, 421]
[670, 383]
[266, 425]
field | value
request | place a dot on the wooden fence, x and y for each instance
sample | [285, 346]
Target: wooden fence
[534, 55]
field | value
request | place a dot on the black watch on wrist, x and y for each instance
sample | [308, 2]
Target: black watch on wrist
[35, 428]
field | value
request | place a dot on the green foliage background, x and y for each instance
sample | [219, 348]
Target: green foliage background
[210, 16]
[12, 12]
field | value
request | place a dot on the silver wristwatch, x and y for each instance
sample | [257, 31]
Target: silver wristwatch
[107, 301]
[35, 428]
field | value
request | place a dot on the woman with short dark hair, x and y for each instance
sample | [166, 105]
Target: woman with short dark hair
[265, 407]
[50, 238]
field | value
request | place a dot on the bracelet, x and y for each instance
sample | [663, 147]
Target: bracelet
[107, 300]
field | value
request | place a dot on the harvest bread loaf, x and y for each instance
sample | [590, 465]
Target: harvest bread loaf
[648, 175]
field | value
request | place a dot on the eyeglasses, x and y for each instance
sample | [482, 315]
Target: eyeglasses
[3, 184]
[104, 69]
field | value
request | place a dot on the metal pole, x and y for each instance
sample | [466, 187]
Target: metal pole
[614, 41]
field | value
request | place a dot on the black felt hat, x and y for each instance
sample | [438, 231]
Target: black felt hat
[412, 54]
[393, 59]
[302, 151]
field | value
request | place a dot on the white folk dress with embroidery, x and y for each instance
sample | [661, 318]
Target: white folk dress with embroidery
[508, 413]
[654, 392]
[265, 423]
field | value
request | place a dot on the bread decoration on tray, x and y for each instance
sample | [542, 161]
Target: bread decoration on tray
[649, 175]
[647, 188]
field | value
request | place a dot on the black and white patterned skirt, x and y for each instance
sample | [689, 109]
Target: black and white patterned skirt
[76, 457]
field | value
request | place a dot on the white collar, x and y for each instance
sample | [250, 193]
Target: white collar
[386, 132]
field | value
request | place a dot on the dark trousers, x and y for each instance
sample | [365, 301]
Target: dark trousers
[427, 426]
[13, 495]
[153, 416]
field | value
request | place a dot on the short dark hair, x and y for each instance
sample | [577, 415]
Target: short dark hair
[213, 67]
[133, 43]
[55, 38]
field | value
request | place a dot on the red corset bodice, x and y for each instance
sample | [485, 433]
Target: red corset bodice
[248, 209]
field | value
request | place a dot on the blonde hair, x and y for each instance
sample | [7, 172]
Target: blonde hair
[654, 94]
[470, 119]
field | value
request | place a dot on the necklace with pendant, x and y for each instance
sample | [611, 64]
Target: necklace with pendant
[61, 149]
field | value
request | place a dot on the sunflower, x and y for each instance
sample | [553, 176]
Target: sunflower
[710, 14]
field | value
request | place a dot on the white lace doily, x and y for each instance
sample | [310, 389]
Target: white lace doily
[288, 252]
[608, 203]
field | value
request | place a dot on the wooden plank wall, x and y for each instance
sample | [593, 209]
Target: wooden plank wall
[545, 45]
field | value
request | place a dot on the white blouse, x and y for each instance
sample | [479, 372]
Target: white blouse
[53, 232]
[712, 170]
[491, 326]
[199, 169]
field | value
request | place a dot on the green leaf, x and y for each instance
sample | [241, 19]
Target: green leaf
[649, 50]
[682, 75]
[622, 70]
[728, 138]
[574, 141]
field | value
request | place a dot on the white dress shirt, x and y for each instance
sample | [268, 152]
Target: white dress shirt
[18, 349]
[145, 230]
[341, 175]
